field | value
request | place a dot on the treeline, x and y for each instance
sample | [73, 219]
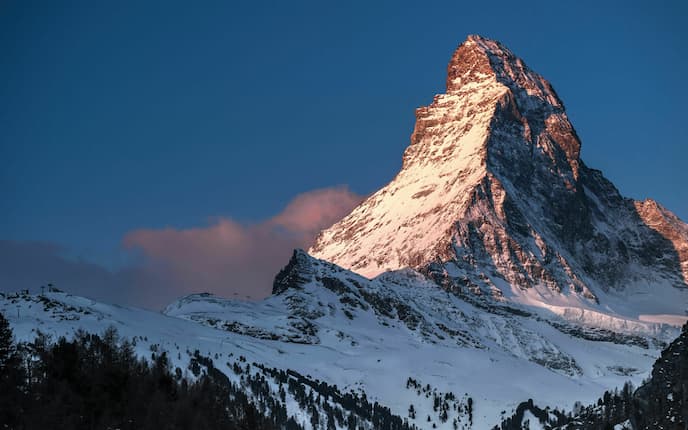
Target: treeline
[612, 408]
[443, 404]
[329, 408]
[97, 382]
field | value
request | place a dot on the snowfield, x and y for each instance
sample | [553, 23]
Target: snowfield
[371, 336]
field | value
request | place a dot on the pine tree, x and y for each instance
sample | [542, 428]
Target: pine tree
[7, 349]
[11, 377]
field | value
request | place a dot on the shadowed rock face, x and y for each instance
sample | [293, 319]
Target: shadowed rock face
[295, 274]
[663, 400]
[492, 187]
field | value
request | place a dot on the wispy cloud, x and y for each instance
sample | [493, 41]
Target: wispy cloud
[225, 257]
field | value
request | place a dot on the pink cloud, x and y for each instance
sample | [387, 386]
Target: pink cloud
[315, 210]
[229, 258]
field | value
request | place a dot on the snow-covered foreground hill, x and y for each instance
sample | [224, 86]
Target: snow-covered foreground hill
[372, 336]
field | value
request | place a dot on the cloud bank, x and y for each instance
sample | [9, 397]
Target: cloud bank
[226, 257]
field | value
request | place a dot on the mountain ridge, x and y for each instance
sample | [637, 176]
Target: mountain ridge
[492, 186]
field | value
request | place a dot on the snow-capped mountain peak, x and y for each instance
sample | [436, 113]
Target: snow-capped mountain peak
[479, 59]
[492, 189]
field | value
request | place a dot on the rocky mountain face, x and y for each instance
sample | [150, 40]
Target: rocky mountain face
[492, 188]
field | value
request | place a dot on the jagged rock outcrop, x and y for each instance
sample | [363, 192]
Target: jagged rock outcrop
[492, 189]
[296, 273]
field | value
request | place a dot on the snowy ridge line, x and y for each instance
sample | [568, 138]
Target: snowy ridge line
[369, 353]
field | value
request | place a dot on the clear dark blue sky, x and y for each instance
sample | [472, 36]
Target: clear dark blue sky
[132, 114]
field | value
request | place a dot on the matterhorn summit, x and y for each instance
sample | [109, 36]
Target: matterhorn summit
[493, 192]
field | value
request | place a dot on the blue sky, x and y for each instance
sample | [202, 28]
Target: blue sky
[119, 116]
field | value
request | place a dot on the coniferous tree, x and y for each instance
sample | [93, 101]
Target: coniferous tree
[12, 376]
[7, 349]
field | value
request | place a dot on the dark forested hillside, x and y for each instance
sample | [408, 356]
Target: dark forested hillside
[96, 382]
[662, 403]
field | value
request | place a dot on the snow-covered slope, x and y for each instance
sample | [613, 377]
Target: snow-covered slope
[372, 336]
